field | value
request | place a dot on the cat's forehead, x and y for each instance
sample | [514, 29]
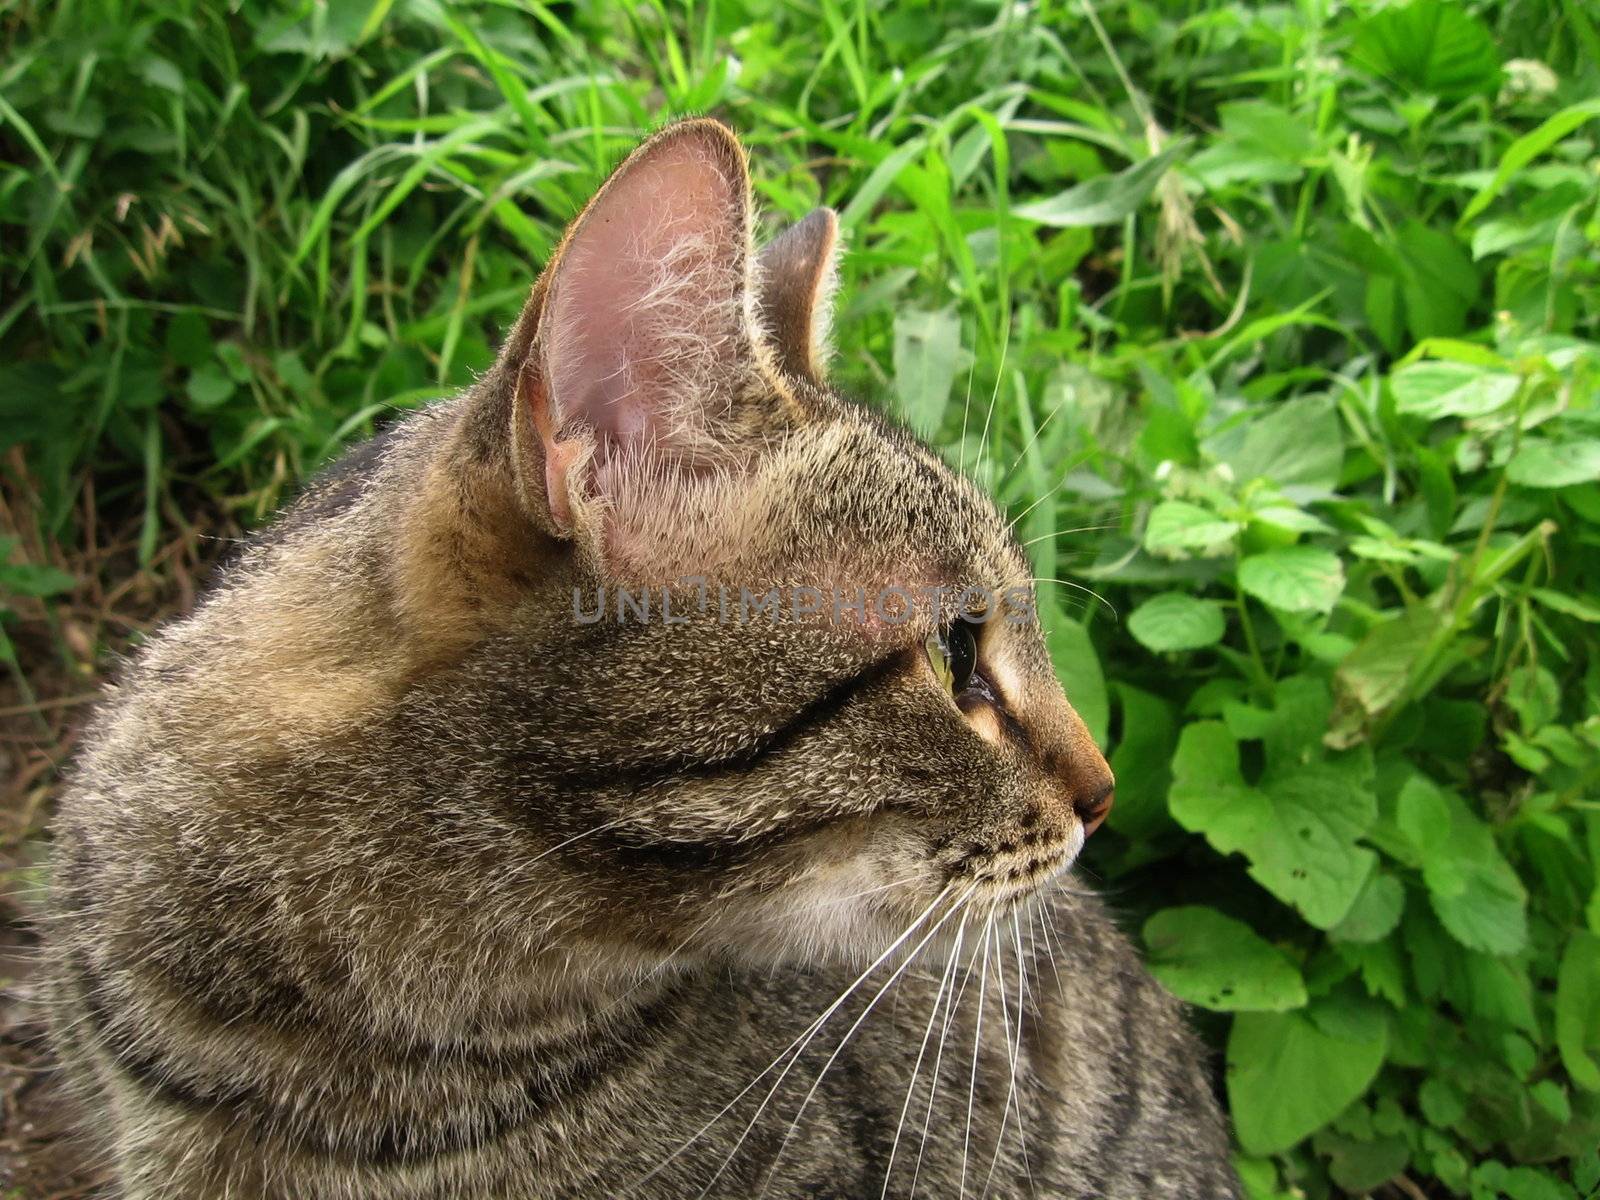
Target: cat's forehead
[858, 486]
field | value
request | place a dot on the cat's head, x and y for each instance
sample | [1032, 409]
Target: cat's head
[800, 774]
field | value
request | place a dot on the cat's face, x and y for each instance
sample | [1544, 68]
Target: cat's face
[803, 695]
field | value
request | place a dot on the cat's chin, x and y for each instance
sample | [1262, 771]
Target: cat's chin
[858, 918]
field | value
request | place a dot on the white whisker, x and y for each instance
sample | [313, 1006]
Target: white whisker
[792, 1051]
[947, 980]
[871, 1004]
[938, 1059]
[977, 1046]
[1110, 607]
[1055, 533]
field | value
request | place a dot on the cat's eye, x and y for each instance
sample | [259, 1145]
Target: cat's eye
[953, 653]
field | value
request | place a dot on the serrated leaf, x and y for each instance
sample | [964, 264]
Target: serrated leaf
[1287, 1077]
[1552, 1097]
[1179, 525]
[1586, 1171]
[1297, 830]
[1294, 578]
[1106, 200]
[1429, 46]
[1382, 972]
[1260, 143]
[1206, 958]
[1173, 621]
[1523, 1183]
[1475, 893]
[1258, 1176]
[1499, 991]
[1544, 463]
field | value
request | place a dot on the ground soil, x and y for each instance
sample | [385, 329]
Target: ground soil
[64, 653]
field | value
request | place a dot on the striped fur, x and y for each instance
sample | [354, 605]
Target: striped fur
[383, 876]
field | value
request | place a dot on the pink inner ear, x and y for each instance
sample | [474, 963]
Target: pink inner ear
[646, 308]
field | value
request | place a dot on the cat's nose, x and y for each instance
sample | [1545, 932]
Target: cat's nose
[1093, 809]
[1082, 777]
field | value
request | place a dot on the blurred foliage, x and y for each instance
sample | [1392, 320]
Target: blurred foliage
[1276, 325]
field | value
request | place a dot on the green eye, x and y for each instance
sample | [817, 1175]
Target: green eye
[953, 653]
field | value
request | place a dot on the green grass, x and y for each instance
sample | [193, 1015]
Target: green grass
[1276, 326]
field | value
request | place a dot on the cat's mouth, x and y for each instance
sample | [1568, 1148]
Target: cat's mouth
[1007, 872]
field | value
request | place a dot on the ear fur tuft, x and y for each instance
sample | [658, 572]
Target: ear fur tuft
[646, 352]
[798, 280]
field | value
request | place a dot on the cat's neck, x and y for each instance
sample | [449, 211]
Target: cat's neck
[544, 1006]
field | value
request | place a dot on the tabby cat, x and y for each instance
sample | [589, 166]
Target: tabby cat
[410, 866]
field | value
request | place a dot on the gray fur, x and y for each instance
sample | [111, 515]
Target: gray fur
[381, 876]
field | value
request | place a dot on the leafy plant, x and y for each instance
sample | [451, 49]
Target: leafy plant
[1276, 326]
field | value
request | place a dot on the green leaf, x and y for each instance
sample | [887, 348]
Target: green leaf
[1206, 958]
[1295, 578]
[1259, 1177]
[1434, 390]
[1358, 1165]
[1106, 200]
[1475, 893]
[927, 357]
[1518, 1183]
[1552, 1097]
[1376, 672]
[1297, 830]
[1295, 444]
[1543, 463]
[1578, 1010]
[1177, 525]
[1286, 517]
[1572, 606]
[1287, 1077]
[1441, 1103]
[1499, 991]
[1142, 764]
[1174, 621]
[1382, 971]
[1527, 148]
[1586, 1172]
[189, 339]
[1077, 664]
[1534, 694]
[209, 387]
[1375, 913]
[1260, 143]
[1438, 280]
[1429, 46]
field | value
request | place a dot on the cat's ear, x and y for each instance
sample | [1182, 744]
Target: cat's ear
[647, 348]
[798, 279]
